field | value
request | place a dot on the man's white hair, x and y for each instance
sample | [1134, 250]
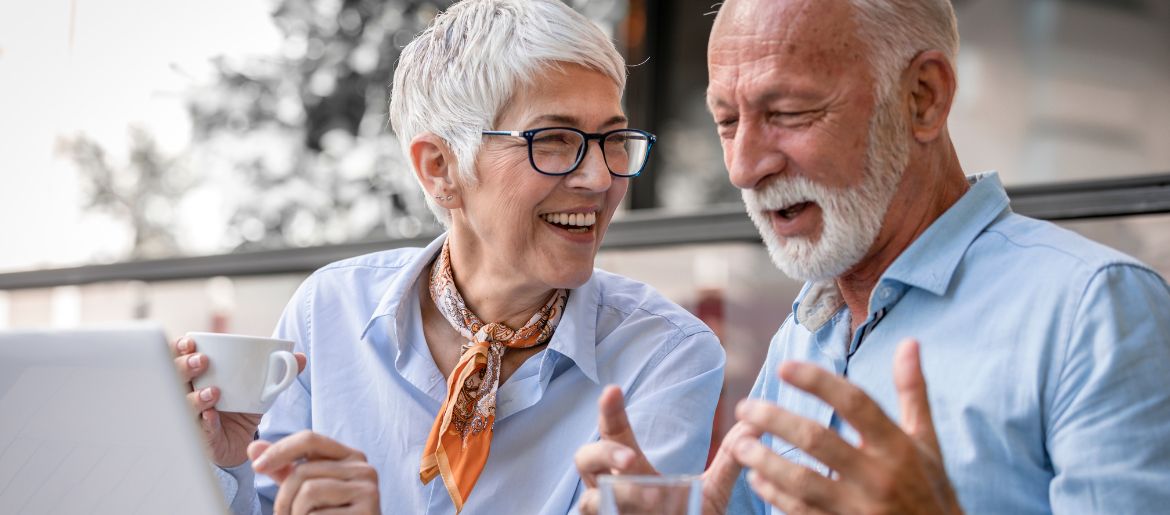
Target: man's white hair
[898, 30]
[455, 77]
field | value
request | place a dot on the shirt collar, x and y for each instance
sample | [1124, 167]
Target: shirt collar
[930, 261]
[575, 337]
[403, 283]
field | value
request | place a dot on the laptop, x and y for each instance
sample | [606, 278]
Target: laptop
[95, 422]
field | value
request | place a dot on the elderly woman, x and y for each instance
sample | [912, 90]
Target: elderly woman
[462, 376]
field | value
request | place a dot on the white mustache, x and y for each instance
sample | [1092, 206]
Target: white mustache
[786, 192]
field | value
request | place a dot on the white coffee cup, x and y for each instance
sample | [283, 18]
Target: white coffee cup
[249, 371]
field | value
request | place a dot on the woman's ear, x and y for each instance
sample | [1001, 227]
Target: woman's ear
[932, 91]
[435, 167]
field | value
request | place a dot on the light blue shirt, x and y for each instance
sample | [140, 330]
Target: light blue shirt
[1046, 357]
[372, 385]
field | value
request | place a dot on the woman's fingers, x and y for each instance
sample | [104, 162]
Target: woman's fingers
[325, 484]
[589, 502]
[203, 399]
[256, 449]
[602, 457]
[210, 421]
[325, 493]
[181, 346]
[304, 445]
[191, 365]
[614, 425]
[316, 473]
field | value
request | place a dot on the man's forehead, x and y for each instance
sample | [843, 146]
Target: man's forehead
[780, 22]
[790, 46]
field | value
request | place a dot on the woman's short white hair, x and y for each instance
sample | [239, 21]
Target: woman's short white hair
[898, 30]
[455, 78]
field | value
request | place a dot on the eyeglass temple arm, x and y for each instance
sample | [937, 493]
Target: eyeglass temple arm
[503, 133]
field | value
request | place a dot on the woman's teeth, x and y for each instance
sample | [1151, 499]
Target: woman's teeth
[575, 222]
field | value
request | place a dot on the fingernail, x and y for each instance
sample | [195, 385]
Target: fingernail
[193, 362]
[623, 457]
[184, 344]
[259, 463]
[205, 394]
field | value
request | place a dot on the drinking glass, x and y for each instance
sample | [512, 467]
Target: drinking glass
[650, 495]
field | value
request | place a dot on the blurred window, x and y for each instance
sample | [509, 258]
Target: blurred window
[1049, 91]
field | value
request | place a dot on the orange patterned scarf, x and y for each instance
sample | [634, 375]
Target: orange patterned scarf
[461, 437]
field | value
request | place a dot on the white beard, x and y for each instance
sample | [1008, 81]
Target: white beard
[851, 217]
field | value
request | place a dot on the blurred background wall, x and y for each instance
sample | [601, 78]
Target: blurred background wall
[222, 144]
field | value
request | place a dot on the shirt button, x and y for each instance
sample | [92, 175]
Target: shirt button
[886, 292]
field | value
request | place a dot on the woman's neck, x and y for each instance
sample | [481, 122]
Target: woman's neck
[495, 295]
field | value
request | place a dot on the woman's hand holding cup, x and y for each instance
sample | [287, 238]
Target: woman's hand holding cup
[226, 434]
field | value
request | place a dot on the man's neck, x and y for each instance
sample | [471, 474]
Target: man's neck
[923, 196]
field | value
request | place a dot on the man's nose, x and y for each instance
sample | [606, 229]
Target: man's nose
[592, 174]
[753, 156]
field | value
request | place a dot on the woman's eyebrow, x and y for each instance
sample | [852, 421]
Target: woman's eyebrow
[572, 121]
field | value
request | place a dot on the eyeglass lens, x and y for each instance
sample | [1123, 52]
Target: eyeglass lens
[556, 151]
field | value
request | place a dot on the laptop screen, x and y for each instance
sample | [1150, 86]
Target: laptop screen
[95, 422]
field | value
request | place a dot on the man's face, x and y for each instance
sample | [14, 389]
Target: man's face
[792, 92]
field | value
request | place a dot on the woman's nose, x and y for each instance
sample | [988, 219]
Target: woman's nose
[592, 174]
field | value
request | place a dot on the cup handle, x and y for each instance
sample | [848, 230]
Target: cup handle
[290, 373]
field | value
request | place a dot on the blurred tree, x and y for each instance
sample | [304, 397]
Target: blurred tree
[304, 132]
[294, 146]
[141, 193]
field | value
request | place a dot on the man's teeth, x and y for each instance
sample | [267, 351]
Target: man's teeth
[792, 210]
[571, 219]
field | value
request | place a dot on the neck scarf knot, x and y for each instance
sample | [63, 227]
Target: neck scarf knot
[460, 438]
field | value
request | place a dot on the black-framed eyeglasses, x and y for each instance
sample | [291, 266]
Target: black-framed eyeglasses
[560, 150]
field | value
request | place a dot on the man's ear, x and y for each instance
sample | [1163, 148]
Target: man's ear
[435, 166]
[931, 81]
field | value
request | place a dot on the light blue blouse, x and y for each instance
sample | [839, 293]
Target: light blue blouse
[371, 384]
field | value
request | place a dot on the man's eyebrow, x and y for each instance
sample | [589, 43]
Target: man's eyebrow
[765, 98]
[713, 103]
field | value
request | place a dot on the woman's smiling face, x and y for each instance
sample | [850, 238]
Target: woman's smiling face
[547, 229]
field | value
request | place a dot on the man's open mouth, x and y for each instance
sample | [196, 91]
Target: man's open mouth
[790, 212]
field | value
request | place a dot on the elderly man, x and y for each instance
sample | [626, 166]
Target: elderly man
[1047, 356]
